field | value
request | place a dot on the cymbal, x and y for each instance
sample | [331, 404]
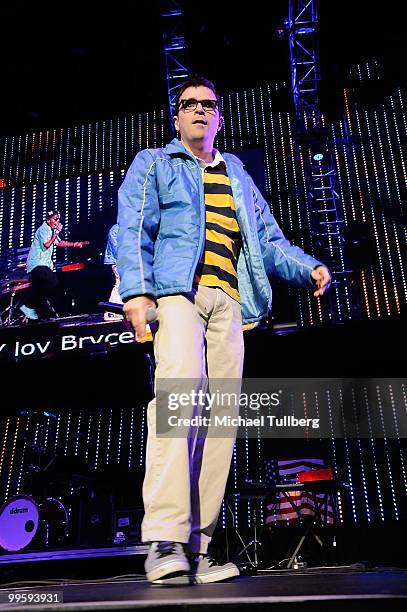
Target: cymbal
[13, 286]
[14, 281]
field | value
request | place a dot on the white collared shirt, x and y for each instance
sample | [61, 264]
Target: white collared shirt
[216, 160]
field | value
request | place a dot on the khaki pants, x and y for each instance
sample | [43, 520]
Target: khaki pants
[199, 334]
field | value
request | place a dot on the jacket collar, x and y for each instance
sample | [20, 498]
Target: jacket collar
[175, 147]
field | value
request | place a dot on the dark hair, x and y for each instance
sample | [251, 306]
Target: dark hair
[52, 212]
[196, 81]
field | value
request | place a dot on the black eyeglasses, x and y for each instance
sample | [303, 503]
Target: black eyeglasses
[190, 105]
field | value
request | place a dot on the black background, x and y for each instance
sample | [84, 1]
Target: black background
[67, 62]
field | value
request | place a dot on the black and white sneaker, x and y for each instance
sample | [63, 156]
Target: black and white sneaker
[204, 569]
[166, 563]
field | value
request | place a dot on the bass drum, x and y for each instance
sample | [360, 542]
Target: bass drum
[19, 520]
[53, 526]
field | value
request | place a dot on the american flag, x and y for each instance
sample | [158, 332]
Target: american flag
[280, 509]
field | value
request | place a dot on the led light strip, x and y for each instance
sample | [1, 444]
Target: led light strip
[386, 452]
[372, 444]
[333, 446]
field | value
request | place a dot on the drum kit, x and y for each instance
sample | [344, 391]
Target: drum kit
[39, 516]
[14, 281]
[10, 288]
[24, 521]
[35, 519]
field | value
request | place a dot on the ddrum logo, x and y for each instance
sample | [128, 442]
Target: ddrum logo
[18, 510]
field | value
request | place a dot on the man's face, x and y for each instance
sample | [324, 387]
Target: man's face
[53, 221]
[199, 124]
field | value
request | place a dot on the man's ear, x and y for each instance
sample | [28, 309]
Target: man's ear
[221, 122]
[176, 123]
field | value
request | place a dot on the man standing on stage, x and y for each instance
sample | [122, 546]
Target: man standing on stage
[40, 265]
[196, 239]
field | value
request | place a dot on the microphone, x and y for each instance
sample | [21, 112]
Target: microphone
[118, 309]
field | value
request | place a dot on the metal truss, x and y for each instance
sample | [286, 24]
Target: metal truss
[177, 71]
[327, 225]
[302, 27]
[327, 221]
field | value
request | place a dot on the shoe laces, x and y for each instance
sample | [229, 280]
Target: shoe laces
[211, 561]
[165, 548]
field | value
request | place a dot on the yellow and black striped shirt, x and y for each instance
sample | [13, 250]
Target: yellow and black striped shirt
[218, 267]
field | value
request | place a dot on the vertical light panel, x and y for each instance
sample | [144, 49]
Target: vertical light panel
[143, 433]
[389, 469]
[374, 455]
[401, 451]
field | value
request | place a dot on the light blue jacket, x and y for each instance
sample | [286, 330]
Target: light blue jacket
[162, 231]
[39, 254]
[111, 246]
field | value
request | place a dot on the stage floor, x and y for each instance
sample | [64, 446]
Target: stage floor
[301, 590]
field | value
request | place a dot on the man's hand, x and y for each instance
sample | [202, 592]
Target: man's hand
[322, 278]
[59, 227]
[135, 311]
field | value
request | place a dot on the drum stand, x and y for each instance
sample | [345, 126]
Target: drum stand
[254, 544]
[39, 418]
[40, 422]
[14, 313]
[9, 320]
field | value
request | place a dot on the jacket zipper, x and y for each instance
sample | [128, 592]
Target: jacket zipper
[201, 229]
